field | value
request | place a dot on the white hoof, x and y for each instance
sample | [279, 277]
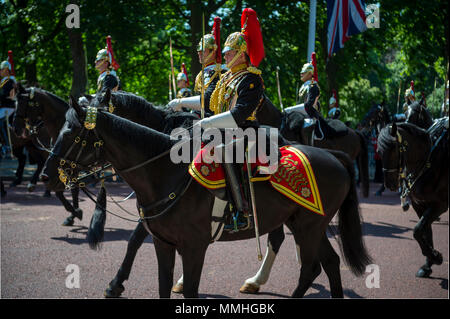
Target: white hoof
[178, 288]
[249, 288]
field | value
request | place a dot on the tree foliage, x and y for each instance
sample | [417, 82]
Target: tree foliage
[411, 44]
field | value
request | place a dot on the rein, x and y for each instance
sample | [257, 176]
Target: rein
[161, 207]
[411, 178]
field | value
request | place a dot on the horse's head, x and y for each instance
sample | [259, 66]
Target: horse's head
[77, 148]
[391, 148]
[101, 101]
[28, 111]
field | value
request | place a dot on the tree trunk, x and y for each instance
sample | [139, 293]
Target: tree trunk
[23, 36]
[196, 9]
[79, 78]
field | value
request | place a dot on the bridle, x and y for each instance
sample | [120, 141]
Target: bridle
[32, 128]
[66, 166]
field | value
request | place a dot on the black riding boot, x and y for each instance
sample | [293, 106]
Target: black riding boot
[239, 217]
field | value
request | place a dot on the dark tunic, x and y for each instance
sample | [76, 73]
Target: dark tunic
[246, 88]
[5, 90]
[108, 81]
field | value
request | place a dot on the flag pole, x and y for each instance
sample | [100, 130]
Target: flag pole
[312, 28]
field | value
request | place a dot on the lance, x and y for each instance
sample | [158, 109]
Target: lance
[171, 66]
[9, 136]
[279, 89]
[170, 89]
[203, 67]
[398, 97]
[253, 201]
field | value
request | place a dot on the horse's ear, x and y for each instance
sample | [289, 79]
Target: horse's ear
[393, 130]
[74, 104]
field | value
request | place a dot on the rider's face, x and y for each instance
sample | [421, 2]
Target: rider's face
[206, 54]
[101, 65]
[306, 76]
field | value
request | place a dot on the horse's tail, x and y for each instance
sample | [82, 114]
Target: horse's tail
[351, 243]
[97, 226]
[363, 165]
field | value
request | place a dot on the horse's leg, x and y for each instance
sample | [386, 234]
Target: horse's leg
[34, 179]
[309, 240]
[166, 263]
[193, 259]
[69, 220]
[330, 261]
[274, 241]
[424, 236]
[78, 213]
[21, 158]
[116, 287]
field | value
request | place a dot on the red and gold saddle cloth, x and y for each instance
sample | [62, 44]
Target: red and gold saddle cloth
[294, 177]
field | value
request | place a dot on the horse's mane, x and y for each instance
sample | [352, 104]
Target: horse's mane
[147, 111]
[386, 141]
[130, 133]
[52, 96]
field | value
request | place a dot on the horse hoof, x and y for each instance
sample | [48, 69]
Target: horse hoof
[68, 221]
[249, 288]
[405, 207]
[31, 187]
[178, 288]
[424, 272]
[78, 213]
[114, 291]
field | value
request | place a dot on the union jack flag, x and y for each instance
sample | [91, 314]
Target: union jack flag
[344, 19]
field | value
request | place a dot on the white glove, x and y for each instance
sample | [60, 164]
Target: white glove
[83, 101]
[222, 120]
[192, 102]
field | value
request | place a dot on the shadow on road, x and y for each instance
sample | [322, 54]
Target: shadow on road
[111, 234]
[382, 229]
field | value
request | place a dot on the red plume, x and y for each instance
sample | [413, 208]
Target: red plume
[216, 34]
[11, 61]
[314, 63]
[183, 68]
[412, 86]
[253, 36]
[114, 63]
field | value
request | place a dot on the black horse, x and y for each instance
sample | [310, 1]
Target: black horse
[290, 124]
[186, 225]
[137, 109]
[408, 152]
[43, 112]
[36, 155]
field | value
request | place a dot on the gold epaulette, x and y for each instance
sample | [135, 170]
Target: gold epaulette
[254, 70]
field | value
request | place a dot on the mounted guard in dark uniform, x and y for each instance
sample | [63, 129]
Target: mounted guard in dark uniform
[183, 83]
[211, 57]
[7, 96]
[333, 105]
[237, 96]
[107, 66]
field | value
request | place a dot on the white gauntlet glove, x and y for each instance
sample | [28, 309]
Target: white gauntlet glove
[223, 120]
[192, 102]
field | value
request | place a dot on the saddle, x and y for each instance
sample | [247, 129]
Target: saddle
[437, 128]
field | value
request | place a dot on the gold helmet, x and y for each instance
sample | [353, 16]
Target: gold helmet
[235, 41]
